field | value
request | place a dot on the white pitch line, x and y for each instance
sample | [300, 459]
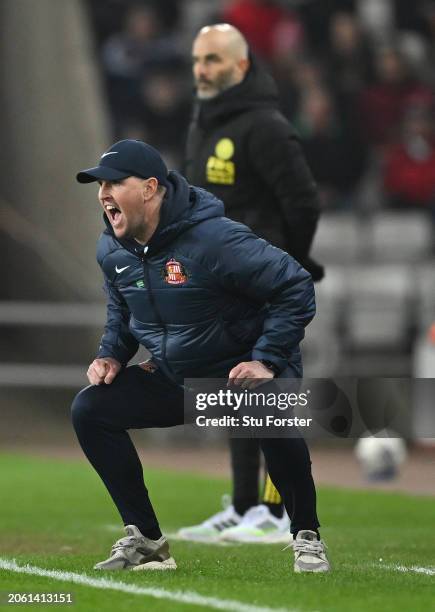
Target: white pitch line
[428, 571]
[184, 597]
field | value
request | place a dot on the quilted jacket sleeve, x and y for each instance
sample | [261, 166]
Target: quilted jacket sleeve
[117, 341]
[249, 266]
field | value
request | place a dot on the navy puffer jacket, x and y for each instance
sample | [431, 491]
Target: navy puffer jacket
[205, 294]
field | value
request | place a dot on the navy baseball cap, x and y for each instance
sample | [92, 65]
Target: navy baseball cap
[127, 158]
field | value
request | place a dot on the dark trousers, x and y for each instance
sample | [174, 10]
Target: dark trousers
[245, 471]
[136, 400]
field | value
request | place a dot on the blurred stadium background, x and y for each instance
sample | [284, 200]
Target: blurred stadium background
[357, 79]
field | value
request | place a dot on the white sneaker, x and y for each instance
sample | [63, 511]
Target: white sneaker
[259, 526]
[310, 553]
[210, 530]
[138, 552]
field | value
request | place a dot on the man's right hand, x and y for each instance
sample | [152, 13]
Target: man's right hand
[102, 370]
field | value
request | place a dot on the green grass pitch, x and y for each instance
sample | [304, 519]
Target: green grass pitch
[55, 514]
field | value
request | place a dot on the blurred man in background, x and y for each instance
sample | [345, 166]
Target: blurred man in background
[242, 149]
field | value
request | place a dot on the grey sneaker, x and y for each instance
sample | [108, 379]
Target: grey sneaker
[310, 553]
[135, 551]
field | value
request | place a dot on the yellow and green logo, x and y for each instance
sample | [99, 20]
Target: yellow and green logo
[220, 170]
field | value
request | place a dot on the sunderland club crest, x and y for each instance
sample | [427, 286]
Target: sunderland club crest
[174, 273]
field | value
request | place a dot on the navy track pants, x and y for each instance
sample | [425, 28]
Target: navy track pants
[138, 399]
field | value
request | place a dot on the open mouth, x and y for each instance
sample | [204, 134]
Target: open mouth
[113, 213]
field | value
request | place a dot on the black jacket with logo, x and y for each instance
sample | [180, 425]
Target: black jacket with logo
[242, 149]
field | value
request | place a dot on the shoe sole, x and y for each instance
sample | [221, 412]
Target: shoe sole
[168, 564]
[318, 570]
[109, 568]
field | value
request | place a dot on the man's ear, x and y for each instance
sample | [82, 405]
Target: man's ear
[243, 66]
[150, 188]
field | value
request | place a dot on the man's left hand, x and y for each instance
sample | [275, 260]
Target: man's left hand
[249, 375]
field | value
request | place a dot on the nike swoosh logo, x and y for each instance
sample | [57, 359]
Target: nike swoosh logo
[110, 153]
[119, 270]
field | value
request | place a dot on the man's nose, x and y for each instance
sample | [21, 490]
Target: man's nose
[104, 190]
[199, 71]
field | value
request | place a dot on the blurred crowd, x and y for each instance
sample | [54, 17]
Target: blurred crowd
[355, 77]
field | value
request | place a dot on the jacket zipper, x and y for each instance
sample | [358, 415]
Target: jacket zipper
[159, 319]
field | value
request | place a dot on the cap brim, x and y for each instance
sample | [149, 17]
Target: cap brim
[101, 173]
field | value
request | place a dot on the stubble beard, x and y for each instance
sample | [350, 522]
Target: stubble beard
[223, 82]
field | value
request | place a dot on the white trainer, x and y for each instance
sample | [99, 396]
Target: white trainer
[135, 551]
[209, 531]
[310, 553]
[259, 526]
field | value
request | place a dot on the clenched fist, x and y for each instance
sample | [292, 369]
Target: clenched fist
[102, 370]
